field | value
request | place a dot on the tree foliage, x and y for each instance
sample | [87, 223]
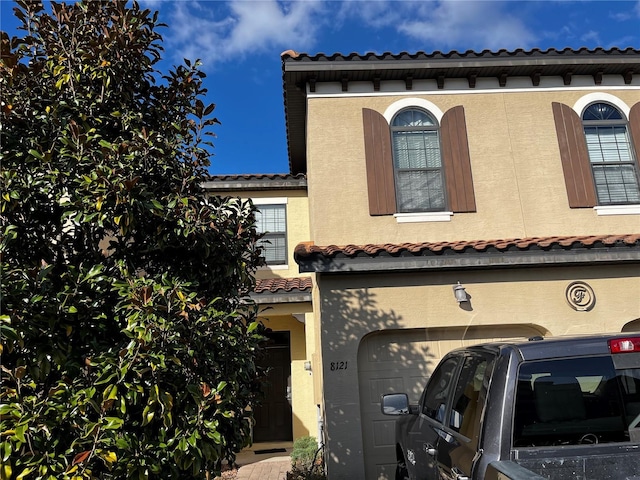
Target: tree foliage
[128, 350]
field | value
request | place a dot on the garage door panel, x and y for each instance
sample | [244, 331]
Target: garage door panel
[383, 432]
[385, 471]
[401, 361]
[380, 386]
[400, 346]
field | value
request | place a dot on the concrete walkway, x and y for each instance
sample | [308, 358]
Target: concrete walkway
[269, 469]
[265, 461]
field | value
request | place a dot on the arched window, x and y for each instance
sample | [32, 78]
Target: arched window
[615, 170]
[417, 162]
[410, 153]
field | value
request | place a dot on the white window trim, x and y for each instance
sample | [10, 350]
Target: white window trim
[617, 209]
[587, 100]
[395, 107]
[270, 201]
[274, 267]
[423, 217]
[274, 201]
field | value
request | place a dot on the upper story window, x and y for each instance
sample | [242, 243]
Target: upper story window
[615, 171]
[599, 144]
[409, 152]
[271, 219]
[417, 162]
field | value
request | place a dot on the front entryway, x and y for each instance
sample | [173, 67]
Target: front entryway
[274, 417]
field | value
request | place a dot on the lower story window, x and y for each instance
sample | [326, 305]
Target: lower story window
[271, 220]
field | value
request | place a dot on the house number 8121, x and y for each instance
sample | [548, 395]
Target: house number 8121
[338, 366]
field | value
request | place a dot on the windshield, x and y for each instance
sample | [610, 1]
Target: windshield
[576, 401]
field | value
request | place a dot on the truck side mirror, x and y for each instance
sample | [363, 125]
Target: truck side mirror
[395, 404]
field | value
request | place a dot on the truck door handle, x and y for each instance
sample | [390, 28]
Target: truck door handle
[459, 475]
[429, 450]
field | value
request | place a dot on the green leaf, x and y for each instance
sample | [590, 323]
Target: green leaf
[94, 271]
[252, 326]
[37, 154]
[20, 430]
[113, 423]
[6, 451]
[24, 473]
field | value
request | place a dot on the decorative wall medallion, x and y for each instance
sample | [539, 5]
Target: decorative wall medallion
[580, 296]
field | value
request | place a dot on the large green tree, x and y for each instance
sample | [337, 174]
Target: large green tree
[127, 348]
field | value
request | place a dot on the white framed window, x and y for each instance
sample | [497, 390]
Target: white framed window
[271, 220]
[417, 162]
[615, 170]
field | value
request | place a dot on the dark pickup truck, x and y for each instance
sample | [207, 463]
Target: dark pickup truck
[558, 408]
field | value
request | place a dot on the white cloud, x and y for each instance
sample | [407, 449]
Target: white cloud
[269, 23]
[591, 38]
[468, 25]
[223, 31]
[376, 14]
[625, 12]
[448, 24]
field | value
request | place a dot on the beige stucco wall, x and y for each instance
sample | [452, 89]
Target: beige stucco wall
[518, 180]
[355, 305]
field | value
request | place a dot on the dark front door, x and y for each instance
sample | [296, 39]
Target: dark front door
[274, 417]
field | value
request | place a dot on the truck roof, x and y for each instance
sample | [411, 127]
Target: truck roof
[538, 348]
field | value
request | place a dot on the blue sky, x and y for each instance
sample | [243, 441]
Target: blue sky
[240, 41]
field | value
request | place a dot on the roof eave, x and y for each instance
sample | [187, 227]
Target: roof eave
[468, 261]
[418, 64]
[278, 298]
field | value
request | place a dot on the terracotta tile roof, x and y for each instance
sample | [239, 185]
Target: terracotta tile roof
[427, 248]
[467, 55]
[530, 251]
[279, 285]
[256, 176]
[267, 181]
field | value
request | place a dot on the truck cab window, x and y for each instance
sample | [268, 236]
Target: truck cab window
[438, 388]
[575, 401]
[467, 404]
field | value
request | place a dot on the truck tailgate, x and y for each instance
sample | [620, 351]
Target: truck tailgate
[583, 462]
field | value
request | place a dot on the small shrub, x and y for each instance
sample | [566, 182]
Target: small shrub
[306, 460]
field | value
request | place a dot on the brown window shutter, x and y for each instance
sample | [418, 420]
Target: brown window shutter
[634, 130]
[456, 161]
[578, 177]
[379, 161]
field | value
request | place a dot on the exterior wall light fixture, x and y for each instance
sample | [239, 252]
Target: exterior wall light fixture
[460, 293]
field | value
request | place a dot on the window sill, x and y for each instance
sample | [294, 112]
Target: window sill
[274, 267]
[423, 217]
[617, 210]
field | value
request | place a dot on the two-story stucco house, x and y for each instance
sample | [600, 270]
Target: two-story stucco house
[456, 198]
